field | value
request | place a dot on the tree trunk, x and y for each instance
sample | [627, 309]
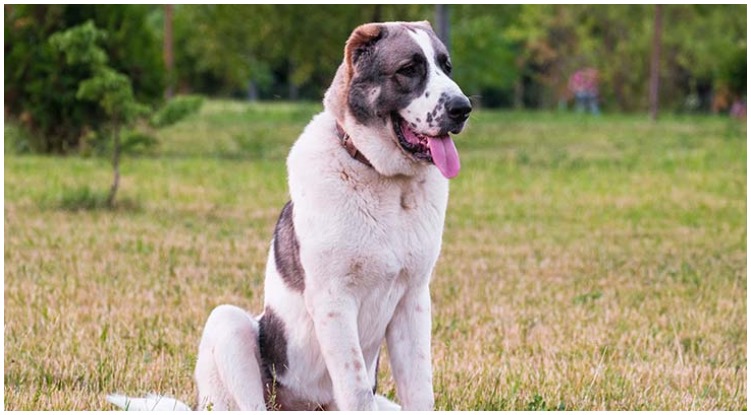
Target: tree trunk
[293, 90]
[519, 93]
[377, 13]
[252, 91]
[115, 166]
[654, 72]
[519, 89]
[442, 24]
[168, 52]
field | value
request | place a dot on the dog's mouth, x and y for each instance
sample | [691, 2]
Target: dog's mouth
[439, 150]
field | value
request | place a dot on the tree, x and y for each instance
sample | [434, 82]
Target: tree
[168, 51]
[110, 89]
[219, 49]
[484, 55]
[654, 65]
[617, 40]
[40, 87]
[443, 24]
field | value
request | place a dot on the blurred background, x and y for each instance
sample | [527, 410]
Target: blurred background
[638, 58]
[595, 244]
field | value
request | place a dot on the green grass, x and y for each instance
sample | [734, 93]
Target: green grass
[588, 263]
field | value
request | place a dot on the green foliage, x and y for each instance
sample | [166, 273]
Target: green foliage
[79, 45]
[42, 82]
[133, 141]
[114, 93]
[734, 72]
[110, 89]
[483, 58]
[503, 54]
[17, 139]
[219, 49]
[137, 142]
[558, 40]
[176, 109]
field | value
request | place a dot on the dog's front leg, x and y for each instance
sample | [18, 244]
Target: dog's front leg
[408, 342]
[335, 320]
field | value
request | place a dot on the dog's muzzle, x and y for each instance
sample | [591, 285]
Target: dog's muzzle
[458, 108]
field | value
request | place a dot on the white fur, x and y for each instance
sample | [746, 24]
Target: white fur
[149, 403]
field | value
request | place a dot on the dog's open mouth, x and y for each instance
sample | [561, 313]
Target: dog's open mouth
[439, 150]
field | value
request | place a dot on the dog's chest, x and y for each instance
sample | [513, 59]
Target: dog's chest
[404, 241]
[405, 233]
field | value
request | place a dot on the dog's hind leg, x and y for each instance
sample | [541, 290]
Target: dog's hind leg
[228, 370]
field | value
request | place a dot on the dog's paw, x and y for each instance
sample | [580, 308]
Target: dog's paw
[384, 404]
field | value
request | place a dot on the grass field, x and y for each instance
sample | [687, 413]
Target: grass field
[588, 263]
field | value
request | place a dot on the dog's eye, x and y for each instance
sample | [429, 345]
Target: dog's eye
[409, 70]
[445, 64]
[447, 67]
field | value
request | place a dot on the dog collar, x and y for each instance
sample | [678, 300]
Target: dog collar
[346, 142]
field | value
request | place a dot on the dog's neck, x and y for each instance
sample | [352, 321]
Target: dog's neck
[346, 142]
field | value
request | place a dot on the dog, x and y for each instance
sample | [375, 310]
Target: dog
[353, 251]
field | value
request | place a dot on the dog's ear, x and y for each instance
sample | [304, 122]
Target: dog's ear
[361, 42]
[425, 23]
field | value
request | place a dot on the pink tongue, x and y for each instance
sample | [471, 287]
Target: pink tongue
[445, 156]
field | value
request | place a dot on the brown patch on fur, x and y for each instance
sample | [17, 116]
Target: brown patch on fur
[272, 342]
[361, 36]
[355, 267]
[338, 92]
[406, 201]
[336, 96]
[357, 365]
[287, 251]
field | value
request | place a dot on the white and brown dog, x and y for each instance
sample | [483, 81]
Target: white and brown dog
[353, 251]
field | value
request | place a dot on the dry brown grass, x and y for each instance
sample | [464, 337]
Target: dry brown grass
[587, 264]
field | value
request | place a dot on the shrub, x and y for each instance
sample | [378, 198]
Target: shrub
[41, 84]
[110, 89]
[176, 109]
[734, 72]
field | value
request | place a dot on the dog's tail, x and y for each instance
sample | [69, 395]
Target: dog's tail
[151, 402]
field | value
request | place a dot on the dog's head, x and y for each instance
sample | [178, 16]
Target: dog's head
[396, 80]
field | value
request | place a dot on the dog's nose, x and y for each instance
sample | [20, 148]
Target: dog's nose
[458, 108]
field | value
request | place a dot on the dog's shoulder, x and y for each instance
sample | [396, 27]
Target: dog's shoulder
[323, 177]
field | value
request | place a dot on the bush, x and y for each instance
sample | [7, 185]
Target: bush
[87, 199]
[17, 140]
[41, 85]
[176, 109]
[734, 72]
